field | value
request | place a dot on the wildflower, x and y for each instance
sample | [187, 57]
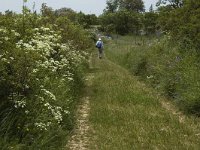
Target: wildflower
[27, 86]
[17, 34]
[41, 126]
[6, 38]
[11, 58]
[66, 112]
[4, 59]
[20, 103]
[149, 77]
[70, 79]
[35, 70]
[36, 29]
[48, 93]
[27, 112]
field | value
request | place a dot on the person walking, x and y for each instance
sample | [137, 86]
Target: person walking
[99, 45]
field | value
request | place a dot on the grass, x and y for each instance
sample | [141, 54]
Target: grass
[127, 115]
[130, 52]
[162, 65]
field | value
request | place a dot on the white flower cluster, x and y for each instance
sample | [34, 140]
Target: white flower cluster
[49, 94]
[55, 111]
[42, 126]
[6, 35]
[52, 58]
[47, 44]
[20, 103]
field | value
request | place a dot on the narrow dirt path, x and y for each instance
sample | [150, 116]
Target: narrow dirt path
[80, 139]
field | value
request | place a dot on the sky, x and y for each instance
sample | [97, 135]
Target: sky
[86, 6]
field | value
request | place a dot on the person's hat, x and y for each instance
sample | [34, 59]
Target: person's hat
[99, 39]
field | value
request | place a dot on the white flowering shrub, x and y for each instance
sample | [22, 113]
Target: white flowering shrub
[43, 58]
[39, 79]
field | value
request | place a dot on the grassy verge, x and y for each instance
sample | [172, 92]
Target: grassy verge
[127, 115]
[163, 65]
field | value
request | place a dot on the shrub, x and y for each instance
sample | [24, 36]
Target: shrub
[41, 78]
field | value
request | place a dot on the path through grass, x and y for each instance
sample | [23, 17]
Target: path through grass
[127, 115]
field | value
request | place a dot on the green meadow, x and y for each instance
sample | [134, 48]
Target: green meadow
[128, 114]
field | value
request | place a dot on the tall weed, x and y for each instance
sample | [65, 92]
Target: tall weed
[163, 65]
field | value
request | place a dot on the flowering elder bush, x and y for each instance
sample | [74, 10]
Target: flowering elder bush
[41, 74]
[7, 38]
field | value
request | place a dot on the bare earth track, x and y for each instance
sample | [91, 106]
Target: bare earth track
[80, 139]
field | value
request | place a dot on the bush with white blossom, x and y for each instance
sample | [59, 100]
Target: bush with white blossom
[39, 76]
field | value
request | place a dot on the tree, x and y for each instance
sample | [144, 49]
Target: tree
[48, 14]
[121, 22]
[68, 12]
[132, 5]
[86, 20]
[107, 22]
[151, 8]
[150, 22]
[122, 16]
[9, 13]
[112, 6]
[129, 5]
[183, 26]
[46, 11]
[173, 3]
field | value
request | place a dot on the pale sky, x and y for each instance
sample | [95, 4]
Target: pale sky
[86, 6]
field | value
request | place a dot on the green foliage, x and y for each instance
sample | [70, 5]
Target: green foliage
[86, 20]
[80, 18]
[112, 6]
[132, 5]
[122, 17]
[172, 3]
[121, 22]
[42, 63]
[183, 26]
[164, 66]
[150, 22]
[128, 5]
[67, 12]
[73, 33]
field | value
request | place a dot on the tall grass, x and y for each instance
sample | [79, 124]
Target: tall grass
[125, 114]
[163, 65]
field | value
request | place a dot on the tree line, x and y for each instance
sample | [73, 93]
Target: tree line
[180, 18]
